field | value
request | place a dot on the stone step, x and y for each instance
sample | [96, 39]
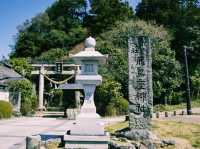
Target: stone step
[88, 142]
[86, 146]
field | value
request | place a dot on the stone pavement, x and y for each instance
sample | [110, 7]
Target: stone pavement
[14, 131]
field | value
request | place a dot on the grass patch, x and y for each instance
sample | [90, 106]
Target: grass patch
[190, 132]
[118, 126]
[168, 129]
[54, 145]
[162, 108]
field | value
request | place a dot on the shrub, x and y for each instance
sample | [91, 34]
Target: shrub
[5, 109]
[108, 99]
[122, 106]
[57, 98]
[110, 110]
[55, 108]
[26, 107]
[28, 96]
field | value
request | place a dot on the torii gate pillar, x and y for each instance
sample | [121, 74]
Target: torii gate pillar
[41, 88]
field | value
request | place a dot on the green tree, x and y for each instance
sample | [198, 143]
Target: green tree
[28, 97]
[60, 26]
[182, 17]
[166, 70]
[22, 66]
[196, 83]
[167, 12]
[51, 55]
[105, 13]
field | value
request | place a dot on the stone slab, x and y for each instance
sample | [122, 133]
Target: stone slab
[89, 142]
[52, 135]
[88, 126]
[86, 146]
[104, 138]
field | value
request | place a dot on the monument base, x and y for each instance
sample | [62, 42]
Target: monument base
[138, 135]
[88, 126]
[87, 133]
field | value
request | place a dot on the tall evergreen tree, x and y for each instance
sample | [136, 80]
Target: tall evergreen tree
[105, 13]
[182, 17]
[60, 26]
[179, 16]
[165, 12]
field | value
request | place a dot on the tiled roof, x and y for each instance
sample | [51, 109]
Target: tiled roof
[7, 73]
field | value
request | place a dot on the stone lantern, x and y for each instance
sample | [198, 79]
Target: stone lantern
[88, 130]
[88, 76]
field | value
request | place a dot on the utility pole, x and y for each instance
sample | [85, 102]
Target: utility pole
[187, 81]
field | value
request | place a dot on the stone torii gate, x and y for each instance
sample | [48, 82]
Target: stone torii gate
[43, 69]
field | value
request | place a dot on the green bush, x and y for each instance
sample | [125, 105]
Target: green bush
[17, 114]
[122, 106]
[108, 99]
[57, 98]
[55, 108]
[28, 95]
[110, 110]
[119, 107]
[26, 107]
[5, 109]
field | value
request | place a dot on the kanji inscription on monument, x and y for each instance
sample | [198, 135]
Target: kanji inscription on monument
[140, 82]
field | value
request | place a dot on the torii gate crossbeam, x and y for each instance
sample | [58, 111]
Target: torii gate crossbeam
[41, 70]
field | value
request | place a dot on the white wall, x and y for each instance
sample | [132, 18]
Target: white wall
[4, 96]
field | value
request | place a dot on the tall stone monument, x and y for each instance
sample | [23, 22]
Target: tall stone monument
[140, 87]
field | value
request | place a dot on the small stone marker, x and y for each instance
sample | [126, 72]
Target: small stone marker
[174, 113]
[140, 87]
[157, 115]
[166, 114]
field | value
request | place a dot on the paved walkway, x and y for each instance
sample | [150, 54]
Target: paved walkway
[14, 131]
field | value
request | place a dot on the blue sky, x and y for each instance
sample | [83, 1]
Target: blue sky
[14, 12]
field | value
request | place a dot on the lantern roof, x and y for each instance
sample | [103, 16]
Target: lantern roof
[89, 52]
